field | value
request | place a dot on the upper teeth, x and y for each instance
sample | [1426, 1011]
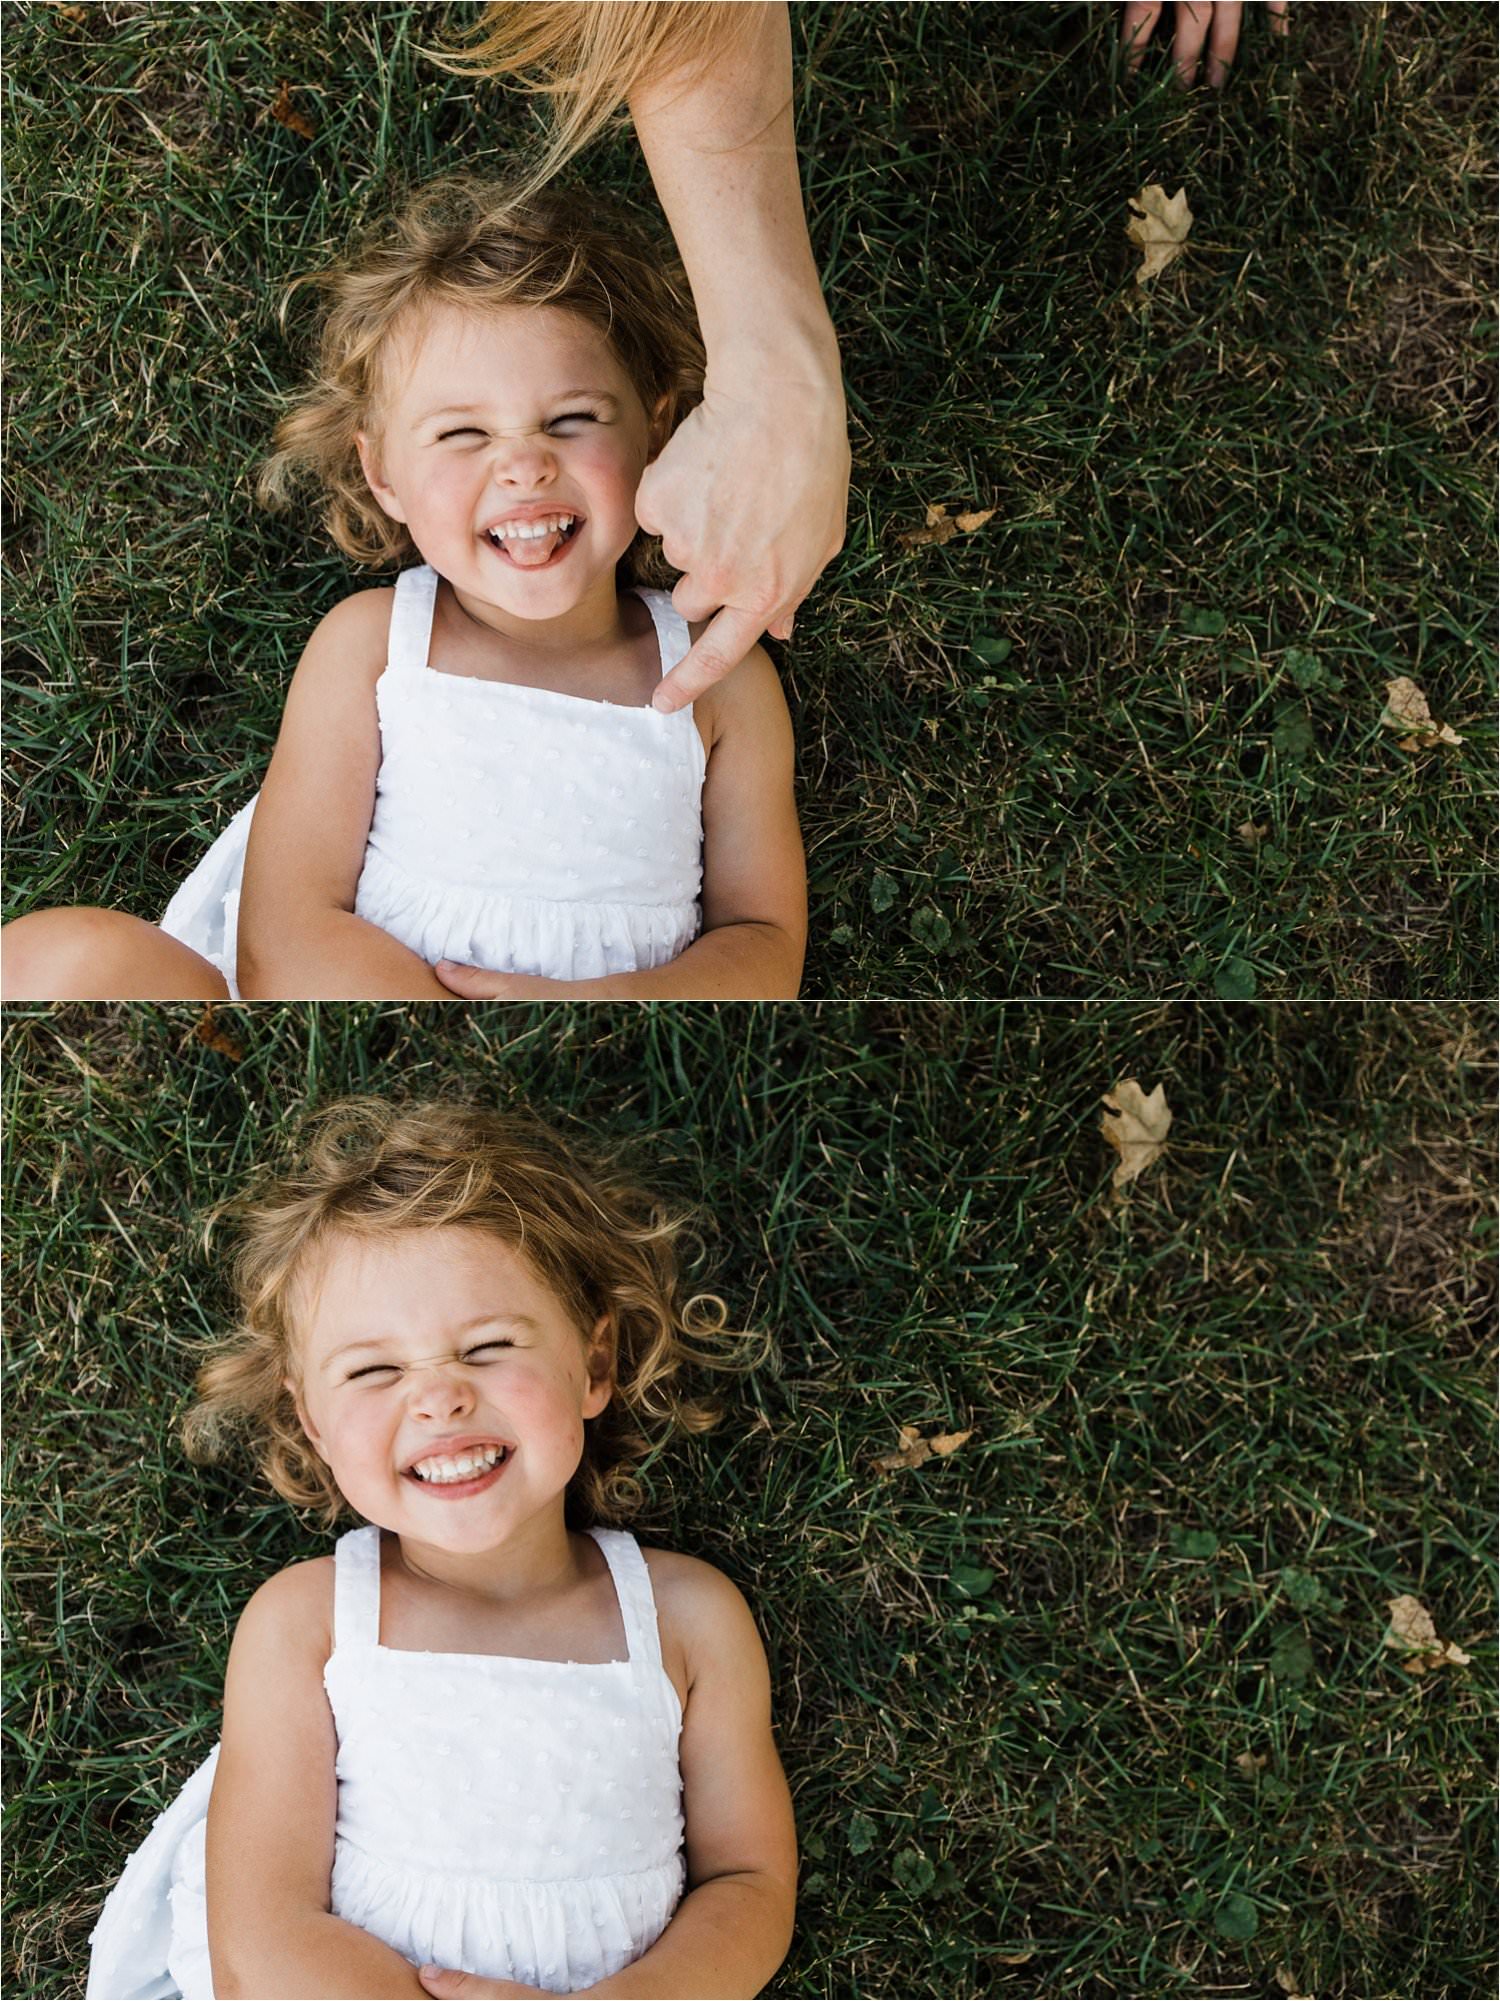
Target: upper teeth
[464, 1467]
[531, 531]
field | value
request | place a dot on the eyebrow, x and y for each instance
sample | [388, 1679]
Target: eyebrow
[383, 1340]
[561, 396]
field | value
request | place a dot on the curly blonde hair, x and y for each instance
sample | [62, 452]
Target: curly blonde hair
[587, 57]
[478, 245]
[600, 1242]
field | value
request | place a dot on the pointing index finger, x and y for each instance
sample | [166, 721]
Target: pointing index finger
[729, 637]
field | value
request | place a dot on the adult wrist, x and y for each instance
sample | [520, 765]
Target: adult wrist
[799, 353]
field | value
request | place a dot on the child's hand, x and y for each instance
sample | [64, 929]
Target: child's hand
[469, 1987]
[474, 983]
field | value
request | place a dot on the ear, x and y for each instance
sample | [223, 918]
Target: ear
[601, 1367]
[661, 425]
[304, 1420]
[370, 466]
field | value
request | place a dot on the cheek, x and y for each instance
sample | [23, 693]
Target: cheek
[615, 470]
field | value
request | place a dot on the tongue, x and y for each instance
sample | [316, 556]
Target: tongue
[530, 555]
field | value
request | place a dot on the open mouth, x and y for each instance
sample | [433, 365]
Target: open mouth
[535, 552]
[452, 1482]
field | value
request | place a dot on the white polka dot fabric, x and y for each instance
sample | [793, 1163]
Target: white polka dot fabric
[517, 829]
[518, 1819]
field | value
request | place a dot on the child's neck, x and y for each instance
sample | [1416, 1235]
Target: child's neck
[593, 626]
[537, 1562]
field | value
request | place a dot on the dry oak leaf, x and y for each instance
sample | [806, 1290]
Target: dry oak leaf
[1136, 1126]
[213, 1037]
[1406, 709]
[1413, 1635]
[913, 1449]
[1252, 831]
[1159, 225]
[942, 527]
[1251, 1762]
[286, 113]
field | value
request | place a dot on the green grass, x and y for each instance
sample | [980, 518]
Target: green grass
[1225, 513]
[1213, 1430]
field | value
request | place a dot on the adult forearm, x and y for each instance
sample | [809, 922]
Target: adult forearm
[723, 157]
[311, 1955]
[332, 955]
[726, 1940]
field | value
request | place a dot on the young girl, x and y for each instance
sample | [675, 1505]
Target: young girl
[471, 771]
[488, 1734]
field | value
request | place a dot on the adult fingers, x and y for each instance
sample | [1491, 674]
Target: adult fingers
[724, 645]
[1138, 19]
[1193, 17]
[1223, 40]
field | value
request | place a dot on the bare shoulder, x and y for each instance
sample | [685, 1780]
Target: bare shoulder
[352, 638]
[293, 1609]
[702, 1610]
[365, 612]
[749, 693]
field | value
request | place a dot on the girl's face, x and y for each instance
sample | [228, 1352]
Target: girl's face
[420, 1353]
[488, 416]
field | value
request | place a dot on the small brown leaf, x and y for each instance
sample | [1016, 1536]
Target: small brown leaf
[1136, 1127]
[1014, 1958]
[1159, 225]
[1288, 1985]
[213, 1037]
[942, 527]
[1251, 831]
[286, 113]
[1412, 1634]
[1250, 1762]
[914, 1450]
[1406, 709]
[949, 1441]
[79, 14]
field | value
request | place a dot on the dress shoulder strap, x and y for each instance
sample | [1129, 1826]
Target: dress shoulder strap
[671, 627]
[411, 620]
[356, 1588]
[633, 1589]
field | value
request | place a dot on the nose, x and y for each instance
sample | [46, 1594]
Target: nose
[522, 458]
[439, 1389]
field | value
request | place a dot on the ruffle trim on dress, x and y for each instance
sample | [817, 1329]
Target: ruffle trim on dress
[521, 934]
[557, 1935]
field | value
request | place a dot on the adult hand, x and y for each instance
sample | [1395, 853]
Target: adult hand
[469, 1987]
[1216, 22]
[750, 496]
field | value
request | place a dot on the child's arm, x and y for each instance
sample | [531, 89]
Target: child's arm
[754, 877]
[269, 1859]
[299, 938]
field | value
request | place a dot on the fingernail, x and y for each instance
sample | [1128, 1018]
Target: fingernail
[663, 704]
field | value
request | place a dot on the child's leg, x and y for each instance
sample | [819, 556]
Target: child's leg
[101, 955]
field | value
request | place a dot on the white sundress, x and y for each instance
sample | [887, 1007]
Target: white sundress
[551, 1855]
[517, 829]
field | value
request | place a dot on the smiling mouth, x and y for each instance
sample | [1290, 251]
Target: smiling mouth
[535, 552]
[464, 1473]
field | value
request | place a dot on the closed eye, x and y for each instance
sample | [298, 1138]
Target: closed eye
[375, 1369]
[577, 416]
[486, 1348]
